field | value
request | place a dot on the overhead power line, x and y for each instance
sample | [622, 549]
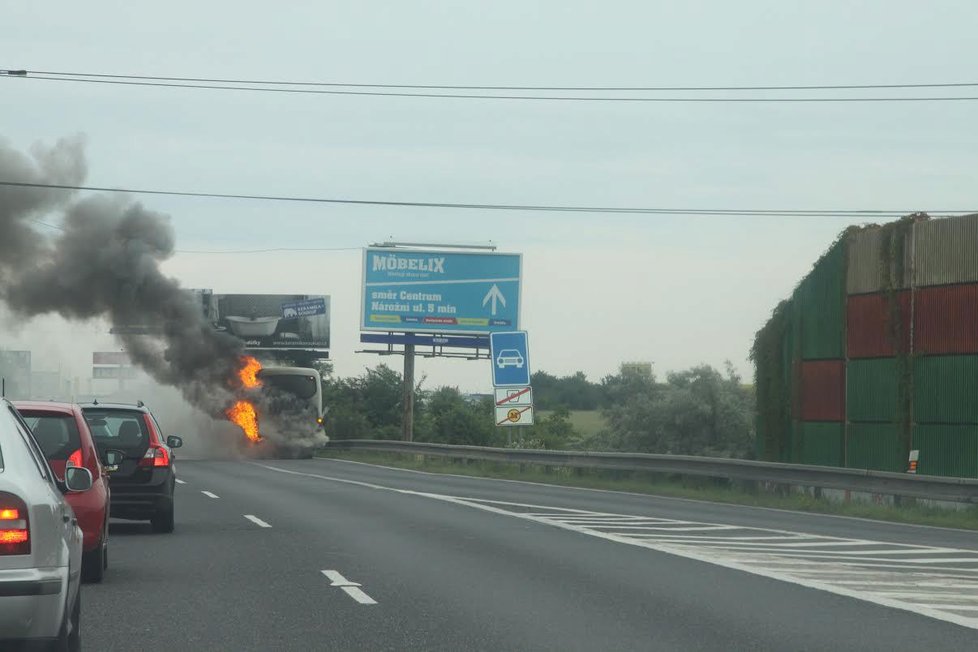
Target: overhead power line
[278, 82]
[626, 210]
[495, 96]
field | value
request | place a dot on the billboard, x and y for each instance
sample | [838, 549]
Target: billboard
[270, 321]
[118, 358]
[421, 291]
[15, 369]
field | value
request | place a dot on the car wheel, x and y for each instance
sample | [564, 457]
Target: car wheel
[94, 564]
[163, 521]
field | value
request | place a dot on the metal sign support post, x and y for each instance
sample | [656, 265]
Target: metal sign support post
[407, 422]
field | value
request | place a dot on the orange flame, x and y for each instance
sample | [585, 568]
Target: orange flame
[248, 374]
[244, 415]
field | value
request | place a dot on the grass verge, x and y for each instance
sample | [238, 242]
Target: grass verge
[711, 489]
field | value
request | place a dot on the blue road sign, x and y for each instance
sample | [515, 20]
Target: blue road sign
[510, 359]
[410, 290]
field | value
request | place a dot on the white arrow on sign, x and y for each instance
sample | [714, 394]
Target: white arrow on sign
[494, 295]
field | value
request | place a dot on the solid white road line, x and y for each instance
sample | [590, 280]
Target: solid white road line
[257, 521]
[763, 566]
[352, 589]
[209, 494]
[179, 481]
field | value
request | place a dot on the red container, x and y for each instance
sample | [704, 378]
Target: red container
[946, 319]
[823, 393]
[870, 332]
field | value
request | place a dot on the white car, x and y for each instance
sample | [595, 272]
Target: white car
[509, 358]
[40, 543]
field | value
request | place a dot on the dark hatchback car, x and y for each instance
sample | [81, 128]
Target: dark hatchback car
[143, 482]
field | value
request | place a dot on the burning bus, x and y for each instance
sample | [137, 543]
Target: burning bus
[280, 409]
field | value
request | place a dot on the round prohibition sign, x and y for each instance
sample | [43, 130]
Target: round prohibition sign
[513, 415]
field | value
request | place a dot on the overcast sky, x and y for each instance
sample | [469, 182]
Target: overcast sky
[599, 288]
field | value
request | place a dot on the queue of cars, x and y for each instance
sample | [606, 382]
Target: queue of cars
[64, 470]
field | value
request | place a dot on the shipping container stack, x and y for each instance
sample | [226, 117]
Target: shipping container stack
[945, 346]
[878, 347]
[819, 319]
[877, 353]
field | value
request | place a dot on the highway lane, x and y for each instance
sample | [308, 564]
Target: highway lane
[450, 571]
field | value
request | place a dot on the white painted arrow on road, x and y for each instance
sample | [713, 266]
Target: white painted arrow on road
[494, 295]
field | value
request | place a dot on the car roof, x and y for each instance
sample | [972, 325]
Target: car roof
[47, 406]
[139, 407]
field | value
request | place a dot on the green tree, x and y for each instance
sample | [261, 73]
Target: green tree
[449, 418]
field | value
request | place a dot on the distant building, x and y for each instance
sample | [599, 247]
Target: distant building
[15, 371]
[640, 369]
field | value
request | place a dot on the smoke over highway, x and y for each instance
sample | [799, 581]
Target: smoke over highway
[100, 257]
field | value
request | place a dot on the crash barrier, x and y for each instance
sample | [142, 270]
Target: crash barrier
[961, 490]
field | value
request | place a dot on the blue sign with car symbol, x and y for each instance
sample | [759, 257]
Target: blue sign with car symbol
[510, 359]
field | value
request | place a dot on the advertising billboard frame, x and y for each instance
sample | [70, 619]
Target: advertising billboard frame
[434, 328]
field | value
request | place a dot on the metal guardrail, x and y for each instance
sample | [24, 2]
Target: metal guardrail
[962, 490]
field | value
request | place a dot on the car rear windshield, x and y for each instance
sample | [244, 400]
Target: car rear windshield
[56, 433]
[124, 430]
[299, 386]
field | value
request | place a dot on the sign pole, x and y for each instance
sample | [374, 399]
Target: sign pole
[407, 421]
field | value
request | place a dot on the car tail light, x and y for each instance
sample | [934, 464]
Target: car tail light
[75, 459]
[155, 456]
[15, 537]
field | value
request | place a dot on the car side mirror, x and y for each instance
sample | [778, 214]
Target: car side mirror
[78, 478]
[113, 458]
[174, 442]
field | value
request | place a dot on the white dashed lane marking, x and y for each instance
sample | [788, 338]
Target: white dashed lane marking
[352, 589]
[257, 521]
[209, 494]
[179, 481]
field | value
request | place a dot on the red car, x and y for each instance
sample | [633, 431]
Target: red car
[63, 434]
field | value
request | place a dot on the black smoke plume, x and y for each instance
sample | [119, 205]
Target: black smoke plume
[102, 259]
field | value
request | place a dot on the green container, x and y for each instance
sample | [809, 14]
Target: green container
[821, 300]
[873, 390]
[878, 446]
[820, 443]
[945, 389]
[947, 450]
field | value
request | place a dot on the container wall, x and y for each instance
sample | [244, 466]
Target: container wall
[877, 446]
[820, 443]
[866, 271]
[823, 390]
[821, 302]
[878, 325]
[946, 251]
[945, 389]
[947, 450]
[946, 319]
[873, 390]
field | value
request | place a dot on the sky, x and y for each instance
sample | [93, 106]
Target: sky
[599, 289]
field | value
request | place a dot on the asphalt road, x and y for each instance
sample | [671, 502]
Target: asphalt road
[424, 562]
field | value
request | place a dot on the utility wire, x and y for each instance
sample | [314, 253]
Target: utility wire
[58, 227]
[480, 96]
[267, 82]
[854, 213]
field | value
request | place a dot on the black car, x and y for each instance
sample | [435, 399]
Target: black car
[143, 482]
